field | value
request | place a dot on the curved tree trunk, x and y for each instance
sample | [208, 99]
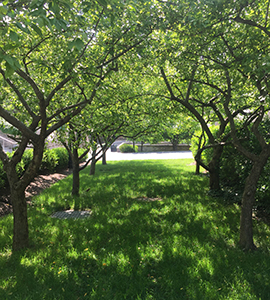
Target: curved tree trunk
[17, 193]
[248, 199]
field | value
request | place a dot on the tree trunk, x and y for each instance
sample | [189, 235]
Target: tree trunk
[214, 168]
[175, 144]
[92, 167]
[197, 172]
[248, 199]
[75, 173]
[93, 164]
[17, 193]
[20, 222]
[104, 162]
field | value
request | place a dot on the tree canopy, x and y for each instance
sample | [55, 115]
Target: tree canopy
[125, 65]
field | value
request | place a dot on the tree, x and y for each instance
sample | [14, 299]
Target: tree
[243, 30]
[50, 51]
[231, 41]
[180, 130]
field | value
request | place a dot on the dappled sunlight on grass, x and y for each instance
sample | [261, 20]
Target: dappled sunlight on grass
[180, 245]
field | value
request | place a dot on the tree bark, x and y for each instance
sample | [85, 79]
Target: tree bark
[75, 173]
[214, 182]
[17, 193]
[104, 162]
[93, 164]
[197, 171]
[248, 199]
[20, 221]
[175, 144]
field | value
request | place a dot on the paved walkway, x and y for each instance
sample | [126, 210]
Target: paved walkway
[148, 155]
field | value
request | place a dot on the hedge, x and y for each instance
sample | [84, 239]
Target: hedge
[126, 148]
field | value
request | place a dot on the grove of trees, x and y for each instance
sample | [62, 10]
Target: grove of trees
[92, 70]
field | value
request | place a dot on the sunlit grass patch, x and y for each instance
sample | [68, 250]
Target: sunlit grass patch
[183, 245]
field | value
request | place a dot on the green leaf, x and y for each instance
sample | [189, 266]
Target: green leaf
[3, 10]
[59, 24]
[67, 64]
[53, 6]
[23, 28]
[77, 43]
[103, 2]
[4, 31]
[9, 69]
[12, 61]
[14, 36]
[39, 12]
[63, 24]
[36, 29]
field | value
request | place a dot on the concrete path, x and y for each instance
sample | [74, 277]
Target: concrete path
[148, 155]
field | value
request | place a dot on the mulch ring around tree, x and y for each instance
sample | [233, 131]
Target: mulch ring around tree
[40, 183]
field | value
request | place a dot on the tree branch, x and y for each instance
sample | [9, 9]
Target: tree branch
[56, 89]
[235, 139]
[167, 84]
[238, 19]
[190, 83]
[190, 107]
[19, 125]
[34, 86]
[20, 96]
[255, 126]
[75, 112]
[121, 53]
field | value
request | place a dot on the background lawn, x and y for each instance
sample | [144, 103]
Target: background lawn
[154, 233]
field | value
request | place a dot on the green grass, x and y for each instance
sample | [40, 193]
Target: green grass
[182, 247]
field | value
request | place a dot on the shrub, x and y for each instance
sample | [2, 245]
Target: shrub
[49, 161]
[63, 157]
[25, 161]
[126, 148]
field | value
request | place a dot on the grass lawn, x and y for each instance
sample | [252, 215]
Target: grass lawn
[183, 245]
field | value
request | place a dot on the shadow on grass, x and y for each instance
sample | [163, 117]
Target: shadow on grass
[182, 247]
